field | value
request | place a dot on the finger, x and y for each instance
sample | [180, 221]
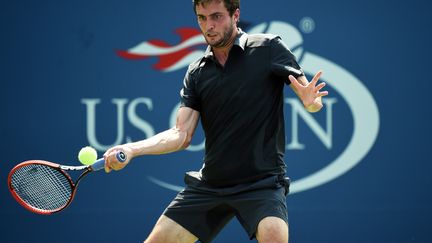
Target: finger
[294, 81]
[323, 93]
[115, 164]
[107, 166]
[107, 169]
[106, 153]
[316, 78]
[320, 86]
[109, 151]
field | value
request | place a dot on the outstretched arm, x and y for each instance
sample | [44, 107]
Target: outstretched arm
[309, 93]
[168, 141]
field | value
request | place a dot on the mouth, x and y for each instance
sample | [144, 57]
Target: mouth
[211, 35]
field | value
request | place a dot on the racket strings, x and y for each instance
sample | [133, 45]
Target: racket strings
[42, 187]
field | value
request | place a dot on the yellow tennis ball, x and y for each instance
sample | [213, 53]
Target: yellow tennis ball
[87, 155]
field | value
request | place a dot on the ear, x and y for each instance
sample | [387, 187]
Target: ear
[237, 15]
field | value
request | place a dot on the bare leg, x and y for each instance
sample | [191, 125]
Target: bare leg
[272, 229]
[168, 231]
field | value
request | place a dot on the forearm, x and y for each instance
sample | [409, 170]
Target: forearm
[171, 140]
[165, 142]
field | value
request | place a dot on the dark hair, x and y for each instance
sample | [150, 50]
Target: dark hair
[230, 5]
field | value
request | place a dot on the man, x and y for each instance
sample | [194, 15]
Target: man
[237, 90]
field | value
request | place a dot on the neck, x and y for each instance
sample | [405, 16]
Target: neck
[221, 53]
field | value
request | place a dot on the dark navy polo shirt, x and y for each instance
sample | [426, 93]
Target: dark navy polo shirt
[241, 109]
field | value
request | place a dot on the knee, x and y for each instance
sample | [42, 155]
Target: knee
[273, 236]
[272, 230]
[162, 239]
[168, 231]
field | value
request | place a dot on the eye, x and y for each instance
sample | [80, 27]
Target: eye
[201, 18]
[217, 17]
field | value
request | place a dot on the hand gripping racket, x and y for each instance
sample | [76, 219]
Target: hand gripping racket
[44, 187]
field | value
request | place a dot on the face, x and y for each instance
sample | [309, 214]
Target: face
[217, 26]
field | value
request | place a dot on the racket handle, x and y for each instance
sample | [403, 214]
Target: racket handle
[100, 163]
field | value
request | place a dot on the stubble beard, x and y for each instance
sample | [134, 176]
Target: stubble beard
[225, 40]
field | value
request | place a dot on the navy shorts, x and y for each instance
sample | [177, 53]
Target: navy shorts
[204, 210]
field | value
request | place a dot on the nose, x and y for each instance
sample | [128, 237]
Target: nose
[210, 25]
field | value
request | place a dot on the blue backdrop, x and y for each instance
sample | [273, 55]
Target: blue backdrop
[77, 73]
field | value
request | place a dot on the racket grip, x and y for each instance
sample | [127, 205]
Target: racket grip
[100, 163]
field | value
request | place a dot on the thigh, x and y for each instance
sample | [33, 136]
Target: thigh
[202, 214]
[252, 207]
[167, 230]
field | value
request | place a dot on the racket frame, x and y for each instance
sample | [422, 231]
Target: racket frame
[61, 169]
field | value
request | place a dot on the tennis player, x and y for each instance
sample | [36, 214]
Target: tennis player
[236, 89]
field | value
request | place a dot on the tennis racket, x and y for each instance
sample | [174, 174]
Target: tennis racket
[44, 187]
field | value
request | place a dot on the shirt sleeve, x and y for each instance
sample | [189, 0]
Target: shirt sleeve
[283, 61]
[188, 95]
